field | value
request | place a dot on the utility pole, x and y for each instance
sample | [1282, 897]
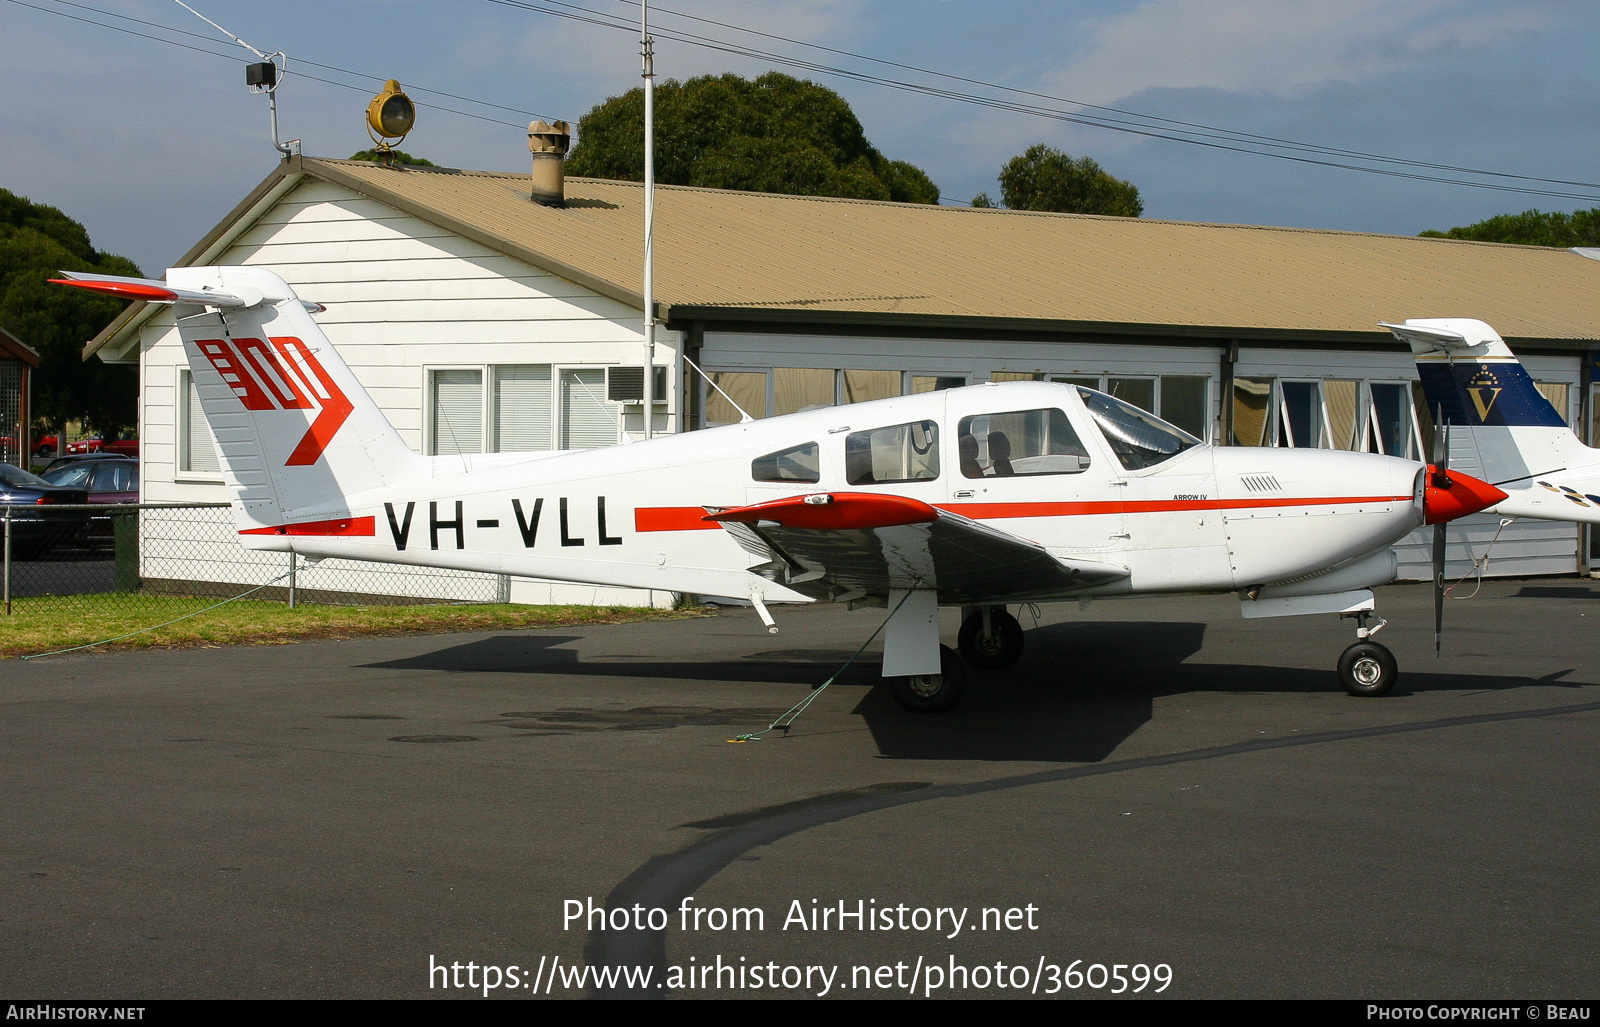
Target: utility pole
[647, 49]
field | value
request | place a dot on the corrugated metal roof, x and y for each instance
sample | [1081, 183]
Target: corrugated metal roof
[725, 249]
[859, 259]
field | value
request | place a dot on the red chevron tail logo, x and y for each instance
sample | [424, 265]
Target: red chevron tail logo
[281, 373]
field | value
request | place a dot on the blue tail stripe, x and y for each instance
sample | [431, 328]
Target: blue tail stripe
[1497, 395]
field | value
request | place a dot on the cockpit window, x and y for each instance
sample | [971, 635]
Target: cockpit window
[902, 452]
[1138, 438]
[797, 463]
[1020, 442]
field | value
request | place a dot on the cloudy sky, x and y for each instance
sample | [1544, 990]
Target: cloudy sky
[149, 144]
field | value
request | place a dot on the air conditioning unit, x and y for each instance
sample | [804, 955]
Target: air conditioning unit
[625, 384]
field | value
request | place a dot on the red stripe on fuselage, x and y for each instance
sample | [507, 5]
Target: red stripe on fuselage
[691, 518]
[342, 526]
[998, 511]
[672, 518]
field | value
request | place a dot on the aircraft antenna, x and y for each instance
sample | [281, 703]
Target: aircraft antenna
[647, 51]
[261, 78]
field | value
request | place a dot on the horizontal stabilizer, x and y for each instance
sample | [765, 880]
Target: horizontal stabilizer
[155, 291]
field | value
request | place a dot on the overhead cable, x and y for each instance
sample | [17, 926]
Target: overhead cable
[1221, 139]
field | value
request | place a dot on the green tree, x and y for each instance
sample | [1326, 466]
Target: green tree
[395, 156]
[36, 243]
[1532, 228]
[775, 134]
[1044, 178]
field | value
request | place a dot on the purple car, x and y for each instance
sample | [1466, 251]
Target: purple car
[107, 479]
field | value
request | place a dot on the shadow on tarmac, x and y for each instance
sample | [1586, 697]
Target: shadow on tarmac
[1080, 690]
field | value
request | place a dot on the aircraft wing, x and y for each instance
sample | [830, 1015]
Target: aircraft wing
[836, 544]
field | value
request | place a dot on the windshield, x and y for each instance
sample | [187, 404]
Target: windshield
[1138, 438]
[18, 478]
[74, 476]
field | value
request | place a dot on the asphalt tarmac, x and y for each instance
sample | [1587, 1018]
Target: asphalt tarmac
[1158, 789]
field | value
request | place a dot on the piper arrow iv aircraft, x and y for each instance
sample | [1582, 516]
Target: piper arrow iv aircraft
[1504, 427]
[977, 497]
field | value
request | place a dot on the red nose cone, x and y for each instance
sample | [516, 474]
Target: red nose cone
[1466, 495]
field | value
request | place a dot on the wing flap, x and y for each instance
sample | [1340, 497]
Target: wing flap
[872, 544]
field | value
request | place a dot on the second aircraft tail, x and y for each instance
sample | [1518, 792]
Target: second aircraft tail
[1497, 415]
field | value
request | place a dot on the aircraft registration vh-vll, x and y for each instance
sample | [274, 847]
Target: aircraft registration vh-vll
[978, 497]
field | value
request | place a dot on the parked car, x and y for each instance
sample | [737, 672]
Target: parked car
[35, 527]
[78, 458]
[46, 447]
[106, 479]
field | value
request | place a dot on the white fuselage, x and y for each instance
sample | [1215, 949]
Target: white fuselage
[1208, 519]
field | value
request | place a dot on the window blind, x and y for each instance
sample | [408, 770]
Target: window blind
[587, 420]
[457, 411]
[522, 402]
[198, 450]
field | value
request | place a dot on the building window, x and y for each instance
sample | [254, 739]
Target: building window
[747, 390]
[1348, 414]
[587, 420]
[523, 404]
[457, 411]
[1300, 415]
[1390, 428]
[802, 388]
[1342, 403]
[526, 408]
[1140, 392]
[197, 448]
[1182, 400]
[921, 383]
[862, 386]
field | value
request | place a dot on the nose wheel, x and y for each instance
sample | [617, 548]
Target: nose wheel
[990, 639]
[1367, 668]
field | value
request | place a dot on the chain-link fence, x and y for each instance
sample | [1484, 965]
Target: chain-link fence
[122, 556]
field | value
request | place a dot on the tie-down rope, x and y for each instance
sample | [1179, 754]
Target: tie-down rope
[793, 713]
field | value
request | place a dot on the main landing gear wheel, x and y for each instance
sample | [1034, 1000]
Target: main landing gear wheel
[932, 693]
[997, 650]
[1367, 669]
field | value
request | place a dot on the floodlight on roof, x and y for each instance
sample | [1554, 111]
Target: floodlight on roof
[390, 115]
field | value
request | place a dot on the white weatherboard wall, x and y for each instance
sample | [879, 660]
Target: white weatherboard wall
[1524, 546]
[403, 296]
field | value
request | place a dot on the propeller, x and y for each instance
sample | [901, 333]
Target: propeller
[1440, 472]
[1445, 497]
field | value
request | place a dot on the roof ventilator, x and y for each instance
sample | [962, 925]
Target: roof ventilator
[548, 143]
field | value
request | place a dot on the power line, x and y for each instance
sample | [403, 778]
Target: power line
[1183, 132]
[1211, 130]
[242, 60]
[1205, 136]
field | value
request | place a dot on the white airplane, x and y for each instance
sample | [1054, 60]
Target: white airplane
[976, 497]
[1502, 426]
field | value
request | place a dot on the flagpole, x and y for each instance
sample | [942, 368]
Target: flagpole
[646, 46]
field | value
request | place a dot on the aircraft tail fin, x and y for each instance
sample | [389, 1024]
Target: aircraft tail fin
[1502, 427]
[296, 432]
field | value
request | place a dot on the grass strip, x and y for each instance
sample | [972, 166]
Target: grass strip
[45, 624]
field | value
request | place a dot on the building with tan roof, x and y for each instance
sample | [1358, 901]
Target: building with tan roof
[483, 321]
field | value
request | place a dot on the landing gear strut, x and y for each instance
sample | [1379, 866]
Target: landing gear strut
[1367, 668]
[990, 639]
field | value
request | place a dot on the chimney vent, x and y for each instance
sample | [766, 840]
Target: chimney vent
[548, 143]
